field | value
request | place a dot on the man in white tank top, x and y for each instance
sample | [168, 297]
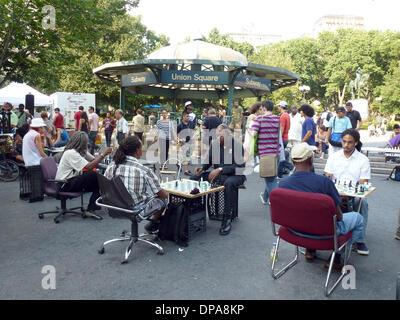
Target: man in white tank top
[32, 147]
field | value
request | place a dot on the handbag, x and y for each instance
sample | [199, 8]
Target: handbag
[253, 140]
[269, 166]
[336, 138]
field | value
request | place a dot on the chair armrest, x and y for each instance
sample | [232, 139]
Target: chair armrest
[57, 181]
[98, 202]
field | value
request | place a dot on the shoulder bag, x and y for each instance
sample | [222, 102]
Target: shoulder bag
[336, 138]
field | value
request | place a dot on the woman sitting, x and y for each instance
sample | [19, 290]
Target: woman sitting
[140, 181]
[59, 137]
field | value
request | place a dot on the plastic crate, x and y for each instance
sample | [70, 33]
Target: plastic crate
[197, 218]
[31, 184]
[216, 205]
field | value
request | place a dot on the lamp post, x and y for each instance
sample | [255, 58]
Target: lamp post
[304, 89]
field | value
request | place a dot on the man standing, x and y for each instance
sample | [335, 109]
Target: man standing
[58, 120]
[354, 116]
[186, 132]
[210, 125]
[309, 127]
[337, 125]
[109, 125]
[93, 128]
[285, 127]
[77, 117]
[189, 110]
[122, 126]
[23, 116]
[9, 119]
[296, 127]
[350, 165]
[227, 162]
[306, 181]
[138, 124]
[237, 116]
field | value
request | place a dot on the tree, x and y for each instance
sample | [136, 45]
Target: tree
[26, 38]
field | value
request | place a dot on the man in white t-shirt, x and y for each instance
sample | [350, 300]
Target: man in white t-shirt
[94, 128]
[76, 167]
[296, 127]
[349, 164]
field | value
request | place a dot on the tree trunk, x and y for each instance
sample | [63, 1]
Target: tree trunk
[341, 97]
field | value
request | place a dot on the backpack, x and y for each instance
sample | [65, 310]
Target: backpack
[395, 174]
[174, 224]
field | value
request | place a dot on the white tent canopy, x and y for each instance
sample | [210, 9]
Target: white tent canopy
[15, 94]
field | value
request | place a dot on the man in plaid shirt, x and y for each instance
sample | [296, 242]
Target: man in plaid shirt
[140, 181]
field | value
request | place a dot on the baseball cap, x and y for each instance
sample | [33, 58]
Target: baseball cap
[283, 104]
[301, 152]
[349, 104]
[37, 123]
[188, 103]
[341, 109]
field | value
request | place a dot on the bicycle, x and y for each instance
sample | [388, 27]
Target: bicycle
[9, 169]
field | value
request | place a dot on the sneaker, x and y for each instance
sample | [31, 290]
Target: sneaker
[362, 249]
[397, 237]
[152, 226]
[337, 263]
[91, 214]
[262, 199]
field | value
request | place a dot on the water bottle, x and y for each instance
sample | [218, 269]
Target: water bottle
[273, 251]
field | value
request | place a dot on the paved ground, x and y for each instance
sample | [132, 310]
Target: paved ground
[212, 267]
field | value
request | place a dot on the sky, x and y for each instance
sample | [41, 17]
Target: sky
[179, 19]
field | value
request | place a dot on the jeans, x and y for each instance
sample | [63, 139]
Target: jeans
[271, 183]
[284, 164]
[61, 144]
[92, 140]
[364, 213]
[108, 134]
[352, 221]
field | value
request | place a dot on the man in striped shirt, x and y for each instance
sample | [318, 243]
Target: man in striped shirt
[267, 127]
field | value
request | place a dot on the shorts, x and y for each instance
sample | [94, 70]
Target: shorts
[235, 125]
[185, 152]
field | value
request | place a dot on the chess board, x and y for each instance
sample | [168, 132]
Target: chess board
[357, 191]
[183, 188]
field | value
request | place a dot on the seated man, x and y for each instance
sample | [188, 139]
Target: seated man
[140, 181]
[74, 161]
[306, 181]
[349, 164]
[226, 155]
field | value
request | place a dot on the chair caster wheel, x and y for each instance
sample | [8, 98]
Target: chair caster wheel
[101, 251]
[124, 262]
[160, 253]
[56, 221]
[40, 216]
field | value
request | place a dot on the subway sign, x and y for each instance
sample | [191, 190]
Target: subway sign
[138, 79]
[194, 77]
[251, 82]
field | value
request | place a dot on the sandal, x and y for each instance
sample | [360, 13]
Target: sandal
[310, 255]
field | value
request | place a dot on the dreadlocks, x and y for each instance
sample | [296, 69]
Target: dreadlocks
[79, 141]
